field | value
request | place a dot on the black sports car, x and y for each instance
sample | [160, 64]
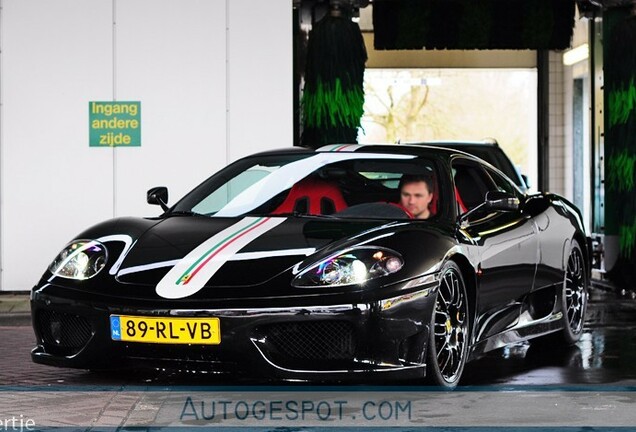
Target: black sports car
[303, 264]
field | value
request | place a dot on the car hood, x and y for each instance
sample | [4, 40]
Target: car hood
[183, 254]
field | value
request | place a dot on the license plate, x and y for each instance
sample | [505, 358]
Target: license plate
[163, 330]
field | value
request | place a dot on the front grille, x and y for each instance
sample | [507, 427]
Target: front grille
[314, 340]
[63, 333]
[168, 352]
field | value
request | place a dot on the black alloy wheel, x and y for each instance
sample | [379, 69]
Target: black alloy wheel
[575, 295]
[450, 324]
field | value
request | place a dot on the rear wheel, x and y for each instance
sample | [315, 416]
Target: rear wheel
[574, 296]
[449, 336]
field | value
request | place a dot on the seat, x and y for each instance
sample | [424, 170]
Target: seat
[432, 207]
[460, 202]
[470, 194]
[313, 196]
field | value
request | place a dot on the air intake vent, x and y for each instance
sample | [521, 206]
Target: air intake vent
[63, 333]
[315, 340]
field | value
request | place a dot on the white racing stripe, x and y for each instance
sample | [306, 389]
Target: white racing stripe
[195, 269]
[285, 177]
[241, 256]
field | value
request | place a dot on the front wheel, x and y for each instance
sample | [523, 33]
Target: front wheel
[574, 296]
[449, 335]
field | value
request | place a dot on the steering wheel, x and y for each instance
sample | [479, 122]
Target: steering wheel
[377, 210]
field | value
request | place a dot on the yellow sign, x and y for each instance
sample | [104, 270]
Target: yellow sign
[164, 330]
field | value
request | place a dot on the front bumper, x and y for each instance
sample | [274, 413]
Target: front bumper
[386, 337]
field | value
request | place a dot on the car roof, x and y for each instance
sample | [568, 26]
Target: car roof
[413, 149]
[486, 142]
[489, 150]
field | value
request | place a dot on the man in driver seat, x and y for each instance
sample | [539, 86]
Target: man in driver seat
[416, 194]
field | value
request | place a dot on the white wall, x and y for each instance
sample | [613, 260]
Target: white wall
[558, 153]
[214, 78]
[174, 63]
[260, 75]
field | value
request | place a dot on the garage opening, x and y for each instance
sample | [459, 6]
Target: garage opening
[415, 105]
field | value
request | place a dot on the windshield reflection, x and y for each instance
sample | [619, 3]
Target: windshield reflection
[349, 185]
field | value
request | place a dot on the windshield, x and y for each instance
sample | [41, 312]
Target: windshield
[319, 184]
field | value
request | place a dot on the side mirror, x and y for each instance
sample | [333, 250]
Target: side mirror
[497, 200]
[158, 196]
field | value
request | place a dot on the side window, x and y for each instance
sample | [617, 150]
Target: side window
[471, 185]
[503, 183]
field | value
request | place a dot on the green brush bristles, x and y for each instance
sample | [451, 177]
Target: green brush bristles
[619, 65]
[620, 171]
[622, 103]
[627, 239]
[331, 106]
[333, 96]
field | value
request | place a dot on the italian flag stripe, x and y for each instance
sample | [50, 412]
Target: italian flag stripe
[191, 273]
[340, 148]
[212, 252]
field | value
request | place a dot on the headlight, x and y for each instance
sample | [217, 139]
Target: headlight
[82, 259]
[353, 266]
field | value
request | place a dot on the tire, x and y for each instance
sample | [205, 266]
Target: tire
[574, 296]
[450, 330]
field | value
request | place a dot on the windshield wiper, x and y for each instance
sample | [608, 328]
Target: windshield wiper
[182, 213]
[306, 215]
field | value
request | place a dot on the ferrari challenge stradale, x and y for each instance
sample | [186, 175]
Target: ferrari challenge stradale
[306, 264]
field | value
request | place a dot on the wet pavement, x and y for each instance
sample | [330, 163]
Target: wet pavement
[602, 365]
[606, 353]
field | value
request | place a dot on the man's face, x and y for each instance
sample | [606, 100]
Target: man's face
[416, 197]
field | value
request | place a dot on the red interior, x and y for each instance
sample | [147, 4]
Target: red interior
[313, 196]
